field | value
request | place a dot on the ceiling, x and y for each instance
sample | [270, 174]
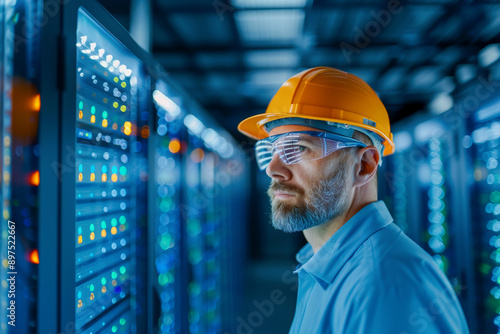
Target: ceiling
[233, 55]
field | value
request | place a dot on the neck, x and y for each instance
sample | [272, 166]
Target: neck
[317, 236]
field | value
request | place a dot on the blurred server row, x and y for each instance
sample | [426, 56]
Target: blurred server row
[443, 188]
[123, 202]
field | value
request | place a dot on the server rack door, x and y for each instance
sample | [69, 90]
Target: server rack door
[213, 230]
[104, 208]
[482, 144]
[195, 207]
[435, 195]
[167, 234]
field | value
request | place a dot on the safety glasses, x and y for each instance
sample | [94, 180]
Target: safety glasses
[296, 147]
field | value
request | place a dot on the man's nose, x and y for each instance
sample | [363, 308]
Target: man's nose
[277, 169]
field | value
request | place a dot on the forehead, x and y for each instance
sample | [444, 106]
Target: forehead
[290, 128]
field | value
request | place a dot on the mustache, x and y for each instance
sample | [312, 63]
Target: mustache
[277, 186]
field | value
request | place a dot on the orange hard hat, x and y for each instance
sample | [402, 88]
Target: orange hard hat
[325, 94]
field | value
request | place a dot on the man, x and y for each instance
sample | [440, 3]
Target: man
[321, 141]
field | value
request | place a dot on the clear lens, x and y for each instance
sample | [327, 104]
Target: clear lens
[296, 147]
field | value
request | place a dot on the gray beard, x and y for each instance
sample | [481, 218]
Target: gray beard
[326, 201]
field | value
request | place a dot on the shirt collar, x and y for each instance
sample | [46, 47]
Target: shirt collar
[332, 256]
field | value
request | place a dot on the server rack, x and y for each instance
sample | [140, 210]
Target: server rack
[102, 209]
[479, 125]
[214, 168]
[109, 226]
[19, 164]
[168, 255]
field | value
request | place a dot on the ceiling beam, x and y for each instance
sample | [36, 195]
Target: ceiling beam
[210, 6]
[331, 46]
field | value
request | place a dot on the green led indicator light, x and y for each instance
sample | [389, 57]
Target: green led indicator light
[170, 278]
[92, 110]
[123, 170]
[91, 287]
[123, 270]
[114, 222]
[80, 230]
[103, 281]
[92, 227]
[165, 241]
[104, 114]
[80, 105]
[162, 279]
[114, 275]
[103, 224]
[122, 321]
[114, 329]
[122, 220]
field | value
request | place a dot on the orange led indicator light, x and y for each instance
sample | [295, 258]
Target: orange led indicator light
[103, 289]
[174, 146]
[92, 177]
[114, 177]
[34, 257]
[92, 119]
[36, 103]
[92, 296]
[145, 131]
[80, 177]
[103, 233]
[35, 178]
[80, 239]
[104, 177]
[92, 236]
[104, 123]
[80, 114]
[80, 303]
[114, 230]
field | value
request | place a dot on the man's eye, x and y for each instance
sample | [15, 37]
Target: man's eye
[301, 148]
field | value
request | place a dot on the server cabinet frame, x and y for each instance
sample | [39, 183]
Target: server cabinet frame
[49, 219]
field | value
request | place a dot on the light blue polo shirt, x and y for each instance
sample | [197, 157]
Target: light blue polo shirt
[369, 277]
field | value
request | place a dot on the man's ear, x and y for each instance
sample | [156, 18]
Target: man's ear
[367, 159]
